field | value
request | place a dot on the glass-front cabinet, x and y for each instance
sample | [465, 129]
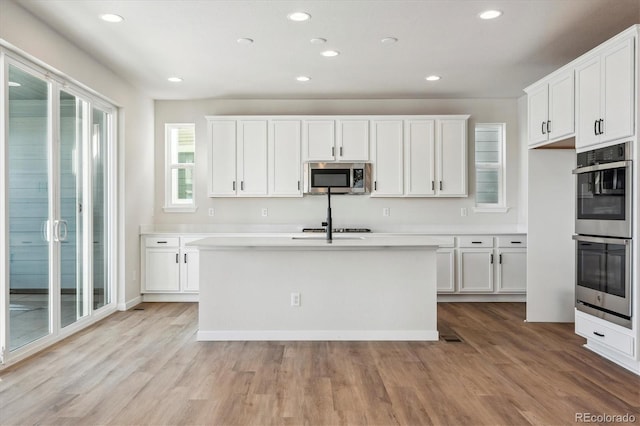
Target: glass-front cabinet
[55, 223]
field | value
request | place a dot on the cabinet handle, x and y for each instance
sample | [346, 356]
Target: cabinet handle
[440, 185]
[500, 259]
[241, 185]
[516, 242]
[595, 127]
[549, 126]
[185, 258]
[333, 151]
[543, 132]
[161, 242]
[298, 185]
[600, 131]
[433, 185]
[492, 259]
[598, 334]
[375, 185]
[340, 151]
[234, 185]
[177, 258]
[476, 242]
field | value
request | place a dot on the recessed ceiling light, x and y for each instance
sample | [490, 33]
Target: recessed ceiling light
[303, 78]
[14, 84]
[318, 40]
[432, 78]
[298, 16]
[174, 79]
[110, 17]
[245, 40]
[389, 40]
[490, 14]
[330, 53]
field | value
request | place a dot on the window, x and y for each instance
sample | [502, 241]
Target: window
[490, 164]
[180, 159]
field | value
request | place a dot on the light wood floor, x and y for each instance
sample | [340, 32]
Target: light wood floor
[146, 367]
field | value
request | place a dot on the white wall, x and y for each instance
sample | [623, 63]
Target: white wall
[135, 115]
[550, 248]
[347, 210]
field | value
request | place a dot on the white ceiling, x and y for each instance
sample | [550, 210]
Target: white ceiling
[196, 40]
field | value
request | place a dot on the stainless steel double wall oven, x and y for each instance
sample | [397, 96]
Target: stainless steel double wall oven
[604, 186]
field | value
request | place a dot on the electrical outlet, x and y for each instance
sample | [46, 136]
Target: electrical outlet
[212, 212]
[295, 299]
[386, 211]
[463, 211]
[265, 212]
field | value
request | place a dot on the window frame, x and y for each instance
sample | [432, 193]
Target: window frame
[500, 166]
[169, 205]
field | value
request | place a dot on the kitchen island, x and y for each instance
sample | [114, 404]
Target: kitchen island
[299, 287]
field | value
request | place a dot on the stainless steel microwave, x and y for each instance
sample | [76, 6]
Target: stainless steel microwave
[342, 178]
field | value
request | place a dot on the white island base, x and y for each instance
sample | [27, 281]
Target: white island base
[371, 289]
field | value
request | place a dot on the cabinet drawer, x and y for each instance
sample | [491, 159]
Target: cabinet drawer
[161, 242]
[512, 241]
[481, 241]
[594, 330]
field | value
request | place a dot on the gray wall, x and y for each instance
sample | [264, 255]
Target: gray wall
[348, 211]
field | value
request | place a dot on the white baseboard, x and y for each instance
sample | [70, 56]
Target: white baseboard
[130, 304]
[170, 297]
[442, 297]
[322, 335]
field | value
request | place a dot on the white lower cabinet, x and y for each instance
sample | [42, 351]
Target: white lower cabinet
[600, 332]
[169, 266]
[483, 265]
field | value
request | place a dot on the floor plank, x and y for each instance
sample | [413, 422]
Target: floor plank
[146, 367]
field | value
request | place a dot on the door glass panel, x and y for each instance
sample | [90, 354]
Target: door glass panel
[28, 207]
[73, 296]
[100, 133]
[601, 195]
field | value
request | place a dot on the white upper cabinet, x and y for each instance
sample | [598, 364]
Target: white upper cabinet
[420, 153]
[605, 95]
[451, 155]
[387, 155]
[336, 140]
[319, 137]
[222, 158]
[551, 109]
[252, 158]
[352, 142]
[237, 158]
[285, 166]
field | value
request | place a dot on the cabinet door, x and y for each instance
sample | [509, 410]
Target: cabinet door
[538, 107]
[512, 270]
[475, 270]
[451, 151]
[190, 269]
[387, 144]
[285, 163]
[445, 265]
[561, 106]
[587, 103]
[420, 178]
[318, 138]
[352, 140]
[222, 158]
[252, 158]
[618, 94]
[162, 269]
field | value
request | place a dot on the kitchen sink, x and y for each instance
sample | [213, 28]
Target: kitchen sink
[318, 237]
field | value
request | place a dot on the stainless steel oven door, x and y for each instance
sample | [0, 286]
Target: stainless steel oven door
[603, 277]
[603, 199]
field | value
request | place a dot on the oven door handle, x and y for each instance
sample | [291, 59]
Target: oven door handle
[598, 167]
[602, 240]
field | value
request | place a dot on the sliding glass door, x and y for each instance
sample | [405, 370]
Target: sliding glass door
[57, 152]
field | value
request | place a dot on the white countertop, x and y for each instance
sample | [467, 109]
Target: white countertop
[319, 242]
